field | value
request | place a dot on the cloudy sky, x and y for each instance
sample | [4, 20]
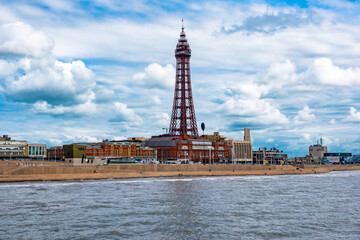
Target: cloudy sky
[104, 69]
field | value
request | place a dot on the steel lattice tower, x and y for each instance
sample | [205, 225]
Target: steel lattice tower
[183, 120]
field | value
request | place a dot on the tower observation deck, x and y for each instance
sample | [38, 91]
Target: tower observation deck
[183, 120]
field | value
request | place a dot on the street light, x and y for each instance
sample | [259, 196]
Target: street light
[232, 153]
[210, 155]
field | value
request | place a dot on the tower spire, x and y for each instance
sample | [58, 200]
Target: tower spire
[183, 120]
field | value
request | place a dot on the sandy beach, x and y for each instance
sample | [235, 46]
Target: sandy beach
[16, 171]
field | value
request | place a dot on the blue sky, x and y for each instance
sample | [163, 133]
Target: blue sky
[91, 70]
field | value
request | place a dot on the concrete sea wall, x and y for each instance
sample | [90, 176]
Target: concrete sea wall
[28, 168]
[40, 171]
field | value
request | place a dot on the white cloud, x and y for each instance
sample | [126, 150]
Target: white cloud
[333, 121]
[50, 80]
[324, 71]
[281, 72]
[119, 138]
[254, 110]
[354, 115]
[21, 39]
[247, 90]
[155, 100]
[55, 141]
[163, 120]
[104, 94]
[85, 108]
[274, 20]
[305, 115]
[7, 68]
[330, 141]
[32, 75]
[270, 140]
[125, 114]
[156, 76]
[306, 137]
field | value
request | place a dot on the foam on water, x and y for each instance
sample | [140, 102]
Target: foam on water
[152, 180]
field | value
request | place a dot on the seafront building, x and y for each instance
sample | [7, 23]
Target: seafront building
[269, 156]
[124, 148]
[240, 151]
[337, 158]
[20, 149]
[104, 150]
[12, 148]
[37, 151]
[174, 148]
[317, 151]
[55, 153]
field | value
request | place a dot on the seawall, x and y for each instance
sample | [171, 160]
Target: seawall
[39, 171]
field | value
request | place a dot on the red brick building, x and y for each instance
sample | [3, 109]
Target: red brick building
[56, 151]
[108, 149]
[114, 149]
[171, 148]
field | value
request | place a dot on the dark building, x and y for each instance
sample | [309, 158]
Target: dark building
[5, 138]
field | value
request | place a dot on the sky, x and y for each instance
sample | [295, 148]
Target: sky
[74, 71]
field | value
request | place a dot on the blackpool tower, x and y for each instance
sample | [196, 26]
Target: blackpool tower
[183, 120]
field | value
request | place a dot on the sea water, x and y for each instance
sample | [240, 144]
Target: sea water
[314, 206]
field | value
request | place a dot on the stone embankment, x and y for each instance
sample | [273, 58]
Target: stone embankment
[42, 171]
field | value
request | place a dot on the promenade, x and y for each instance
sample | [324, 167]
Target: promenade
[17, 171]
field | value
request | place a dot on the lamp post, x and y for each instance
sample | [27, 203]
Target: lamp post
[210, 162]
[232, 153]
[210, 155]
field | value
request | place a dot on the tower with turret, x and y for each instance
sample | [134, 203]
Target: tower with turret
[183, 120]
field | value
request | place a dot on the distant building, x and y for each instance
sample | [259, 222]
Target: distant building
[12, 148]
[76, 153]
[56, 152]
[140, 139]
[337, 158]
[240, 151]
[5, 138]
[317, 151]
[268, 156]
[102, 150]
[124, 148]
[176, 148]
[216, 137]
[37, 150]
[301, 160]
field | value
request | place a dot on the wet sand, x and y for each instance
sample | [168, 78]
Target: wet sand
[35, 171]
